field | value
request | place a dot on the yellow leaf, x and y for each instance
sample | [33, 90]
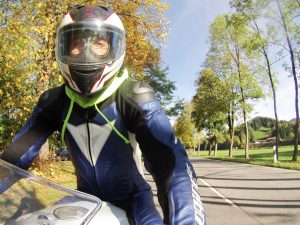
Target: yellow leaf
[10, 56]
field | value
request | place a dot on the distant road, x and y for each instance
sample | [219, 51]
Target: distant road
[243, 194]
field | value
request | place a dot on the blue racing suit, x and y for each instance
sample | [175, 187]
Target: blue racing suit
[103, 149]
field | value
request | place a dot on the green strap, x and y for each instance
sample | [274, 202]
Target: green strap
[112, 126]
[85, 102]
[67, 119]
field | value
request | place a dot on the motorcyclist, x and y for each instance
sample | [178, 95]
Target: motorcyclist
[104, 118]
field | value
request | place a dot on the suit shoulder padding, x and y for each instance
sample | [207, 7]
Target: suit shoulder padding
[137, 91]
[50, 96]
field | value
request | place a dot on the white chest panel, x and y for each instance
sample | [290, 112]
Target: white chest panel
[90, 139]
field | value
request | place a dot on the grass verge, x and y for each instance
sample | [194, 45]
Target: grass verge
[61, 172]
[261, 156]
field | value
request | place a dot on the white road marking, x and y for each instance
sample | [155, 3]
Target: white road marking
[218, 193]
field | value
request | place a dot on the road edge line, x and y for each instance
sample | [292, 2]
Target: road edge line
[218, 193]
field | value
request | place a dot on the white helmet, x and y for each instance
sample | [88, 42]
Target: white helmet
[90, 48]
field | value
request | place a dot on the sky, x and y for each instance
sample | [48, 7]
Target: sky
[187, 45]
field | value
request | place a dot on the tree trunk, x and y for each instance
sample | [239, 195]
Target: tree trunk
[231, 130]
[42, 155]
[244, 105]
[216, 149]
[194, 147]
[245, 119]
[231, 144]
[247, 135]
[292, 58]
[269, 71]
[274, 102]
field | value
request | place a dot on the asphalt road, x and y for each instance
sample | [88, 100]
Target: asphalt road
[243, 194]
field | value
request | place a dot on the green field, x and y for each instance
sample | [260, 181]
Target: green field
[262, 133]
[261, 156]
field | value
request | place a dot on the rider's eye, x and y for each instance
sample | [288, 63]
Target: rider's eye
[76, 47]
[100, 46]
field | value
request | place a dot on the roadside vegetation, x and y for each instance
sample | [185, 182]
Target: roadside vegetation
[258, 156]
[261, 144]
[248, 49]
[61, 172]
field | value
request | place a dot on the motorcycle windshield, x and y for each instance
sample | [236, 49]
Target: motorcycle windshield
[26, 198]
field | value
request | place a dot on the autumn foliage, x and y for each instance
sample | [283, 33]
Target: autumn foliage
[27, 56]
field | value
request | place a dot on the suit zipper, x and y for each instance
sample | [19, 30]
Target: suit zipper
[88, 135]
[90, 151]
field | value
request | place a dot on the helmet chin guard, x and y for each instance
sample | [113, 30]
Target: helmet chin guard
[90, 48]
[85, 78]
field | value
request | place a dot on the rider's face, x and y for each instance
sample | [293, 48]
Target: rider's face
[99, 46]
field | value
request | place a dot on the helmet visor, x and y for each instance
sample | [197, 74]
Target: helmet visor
[89, 44]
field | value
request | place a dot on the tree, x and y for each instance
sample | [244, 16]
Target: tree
[184, 128]
[288, 12]
[239, 132]
[164, 88]
[210, 105]
[219, 60]
[252, 10]
[27, 58]
[230, 55]
[240, 48]
[216, 135]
